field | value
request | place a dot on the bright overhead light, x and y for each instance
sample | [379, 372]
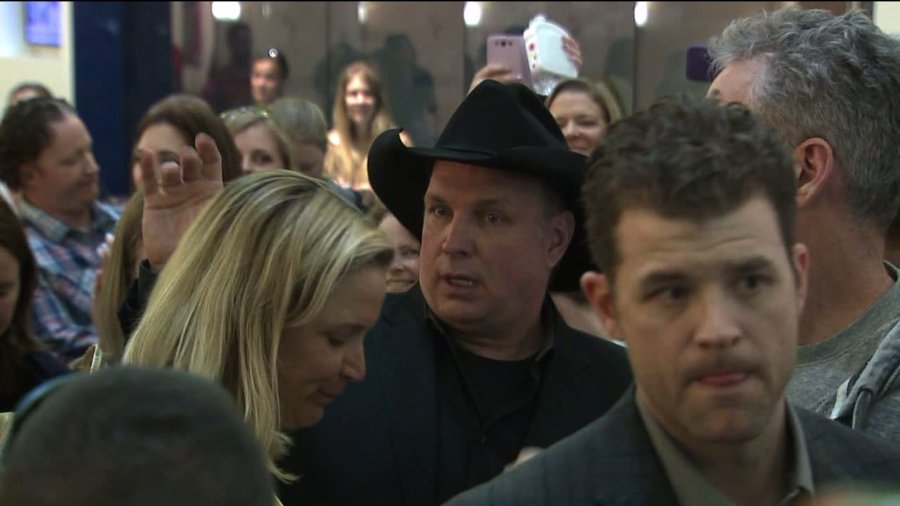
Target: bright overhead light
[362, 12]
[640, 13]
[472, 13]
[226, 11]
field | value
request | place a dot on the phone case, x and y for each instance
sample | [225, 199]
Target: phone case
[509, 51]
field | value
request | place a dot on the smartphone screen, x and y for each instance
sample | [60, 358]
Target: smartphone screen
[509, 51]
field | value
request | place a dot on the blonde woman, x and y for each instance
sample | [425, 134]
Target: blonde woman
[261, 142]
[360, 113]
[270, 292]
[583, 110]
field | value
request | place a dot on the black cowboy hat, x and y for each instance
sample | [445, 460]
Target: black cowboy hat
[500, 126]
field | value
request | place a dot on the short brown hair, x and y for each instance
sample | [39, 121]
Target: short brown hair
[685, 158]
[25, 133]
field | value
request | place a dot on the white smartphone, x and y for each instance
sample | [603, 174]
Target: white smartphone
[509, 51]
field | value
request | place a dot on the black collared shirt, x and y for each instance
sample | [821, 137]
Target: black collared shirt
[485, 409]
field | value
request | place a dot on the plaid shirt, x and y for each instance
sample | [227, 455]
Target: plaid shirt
[67, 262]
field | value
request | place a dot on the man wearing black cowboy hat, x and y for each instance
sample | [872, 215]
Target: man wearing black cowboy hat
[473, 365]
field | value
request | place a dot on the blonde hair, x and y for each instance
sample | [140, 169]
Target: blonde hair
[346, 161]
[238, 120]
[119, 272]
[265, 254]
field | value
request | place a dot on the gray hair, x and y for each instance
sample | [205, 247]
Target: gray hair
[301, 120]
[834, 77]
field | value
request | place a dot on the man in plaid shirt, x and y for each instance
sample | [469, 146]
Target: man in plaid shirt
[46, 155]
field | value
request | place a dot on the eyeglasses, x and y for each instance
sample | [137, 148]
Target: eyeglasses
[28, 405]
[250, 111]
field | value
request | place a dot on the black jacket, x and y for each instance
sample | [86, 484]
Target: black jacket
[377, 444]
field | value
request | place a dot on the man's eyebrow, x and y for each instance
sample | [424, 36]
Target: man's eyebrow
[431, 197]
[752, 264]
[492, 202]
[661, 277]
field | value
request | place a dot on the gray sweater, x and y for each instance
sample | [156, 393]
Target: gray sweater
[854, 376]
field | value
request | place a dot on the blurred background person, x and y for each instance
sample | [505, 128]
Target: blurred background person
[229, 86]
[327, 71]
[404, 270]
[23, 362]
[262, 144]
[172, 124]
[583, 110]
[267, 77]
[360, 113]
[304, 125]
[409, 88]
[46, 153]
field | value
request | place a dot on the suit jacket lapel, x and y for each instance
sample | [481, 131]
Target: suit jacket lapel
[623, 461]
[410, 393]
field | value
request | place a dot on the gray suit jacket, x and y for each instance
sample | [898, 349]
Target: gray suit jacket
[612, 462]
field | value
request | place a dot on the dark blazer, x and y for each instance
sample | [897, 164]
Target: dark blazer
[612, 462]
[377, 444]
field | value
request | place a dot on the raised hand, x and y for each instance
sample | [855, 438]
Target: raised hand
[174, 195]
[492, 71]
[573, 51]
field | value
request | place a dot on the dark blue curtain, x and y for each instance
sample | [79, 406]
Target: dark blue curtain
[123, 64]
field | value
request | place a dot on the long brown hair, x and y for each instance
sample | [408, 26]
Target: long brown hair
[17, 340]
[347, 160]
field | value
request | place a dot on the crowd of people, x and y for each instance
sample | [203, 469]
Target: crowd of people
[555, 302]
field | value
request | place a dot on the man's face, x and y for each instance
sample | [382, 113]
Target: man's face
[265, 81]
[64, 178]
[489, 244]
[709, 312]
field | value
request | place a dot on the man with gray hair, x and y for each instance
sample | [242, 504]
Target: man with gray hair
[830, 85]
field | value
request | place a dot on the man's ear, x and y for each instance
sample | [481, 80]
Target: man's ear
[561, 230]
[598, 290]
[814, 168]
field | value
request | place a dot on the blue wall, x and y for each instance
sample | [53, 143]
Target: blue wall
[123, 64]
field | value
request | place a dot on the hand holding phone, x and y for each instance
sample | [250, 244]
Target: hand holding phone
[508, 51]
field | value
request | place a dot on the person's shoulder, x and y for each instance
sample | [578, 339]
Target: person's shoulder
[403, 307]
[838, 452]
[589, 347]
